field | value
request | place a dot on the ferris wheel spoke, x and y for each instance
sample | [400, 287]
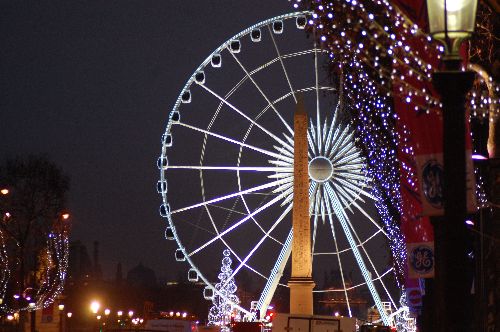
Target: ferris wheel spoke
[196, 226]
[288, 196]
[324, 134]
[311, 143]
[313, 187]
[239, 193]
[341, 149]
[360, 209]
[266, 235]
[237, 224]
[353, 189]
[318, 118]
[372, 264]
[330, 253]
[229, 247]
[234, 168]
[369, 260]
[287, 126]
[347, 153]
[332, 228]
[284, 151]
[341, 216]
[333, 130]
[356, 168]
[244, 115]
[315, 229]
[230, 140]
[226, 209]
[351, 176]
[353, 286]
[263, 200]
[282, 64]
[339, 142]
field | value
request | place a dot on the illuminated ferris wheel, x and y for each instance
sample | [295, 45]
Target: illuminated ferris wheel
[226, 172]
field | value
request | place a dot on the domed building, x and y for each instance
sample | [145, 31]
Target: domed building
[141, 276]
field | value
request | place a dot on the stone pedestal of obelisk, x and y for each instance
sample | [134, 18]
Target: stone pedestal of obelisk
[301, 283]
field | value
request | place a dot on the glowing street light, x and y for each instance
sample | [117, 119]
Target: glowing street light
[119, 313]
[94, 306]
[61, 316]
[450, 22]
[4, 191]
[130, 313]
[107, 312]
[65, 216]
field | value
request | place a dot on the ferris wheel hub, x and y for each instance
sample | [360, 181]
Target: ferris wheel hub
[320, 169]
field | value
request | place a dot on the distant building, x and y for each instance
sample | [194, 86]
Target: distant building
[97, 271]
[80, 265]
[141, 276]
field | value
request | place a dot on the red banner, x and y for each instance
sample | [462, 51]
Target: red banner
[420, 129]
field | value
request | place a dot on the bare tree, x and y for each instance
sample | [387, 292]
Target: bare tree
[33, 233]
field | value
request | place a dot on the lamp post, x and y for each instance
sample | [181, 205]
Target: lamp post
[452, 21]
[61, 317]
[68, 322]
[130, 316]
[94, 308]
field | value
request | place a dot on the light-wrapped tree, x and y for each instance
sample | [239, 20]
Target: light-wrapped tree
[225, 299]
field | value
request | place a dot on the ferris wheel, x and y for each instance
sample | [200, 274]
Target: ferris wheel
[226, 172]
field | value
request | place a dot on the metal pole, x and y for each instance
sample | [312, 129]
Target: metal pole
[452, 283]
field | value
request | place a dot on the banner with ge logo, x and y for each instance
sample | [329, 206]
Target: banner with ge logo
[420, 259]
[430, 174]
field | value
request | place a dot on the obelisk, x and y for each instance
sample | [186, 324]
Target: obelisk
[301, 283]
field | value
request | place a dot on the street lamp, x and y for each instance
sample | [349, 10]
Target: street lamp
[94, 307]
[450, 22]
[130, 315]
[61, 315]
[69, 315]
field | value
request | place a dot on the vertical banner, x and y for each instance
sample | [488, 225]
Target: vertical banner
[430, 172]
[420, 132]
[420, 259]
[420, 151]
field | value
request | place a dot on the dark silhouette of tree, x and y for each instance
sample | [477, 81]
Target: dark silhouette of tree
[33, 232]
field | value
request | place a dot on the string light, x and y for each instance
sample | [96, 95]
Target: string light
[52, 278]
[223, 308]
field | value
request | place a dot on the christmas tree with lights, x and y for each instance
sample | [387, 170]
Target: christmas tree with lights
[225, 300]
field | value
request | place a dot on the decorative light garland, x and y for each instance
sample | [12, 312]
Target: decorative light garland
[56, 254]
[223, 309]
[4, 268]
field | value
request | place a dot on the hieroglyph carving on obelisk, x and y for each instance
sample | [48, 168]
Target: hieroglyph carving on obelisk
[301, 282]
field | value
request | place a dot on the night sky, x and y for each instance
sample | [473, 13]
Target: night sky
[91, 83]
